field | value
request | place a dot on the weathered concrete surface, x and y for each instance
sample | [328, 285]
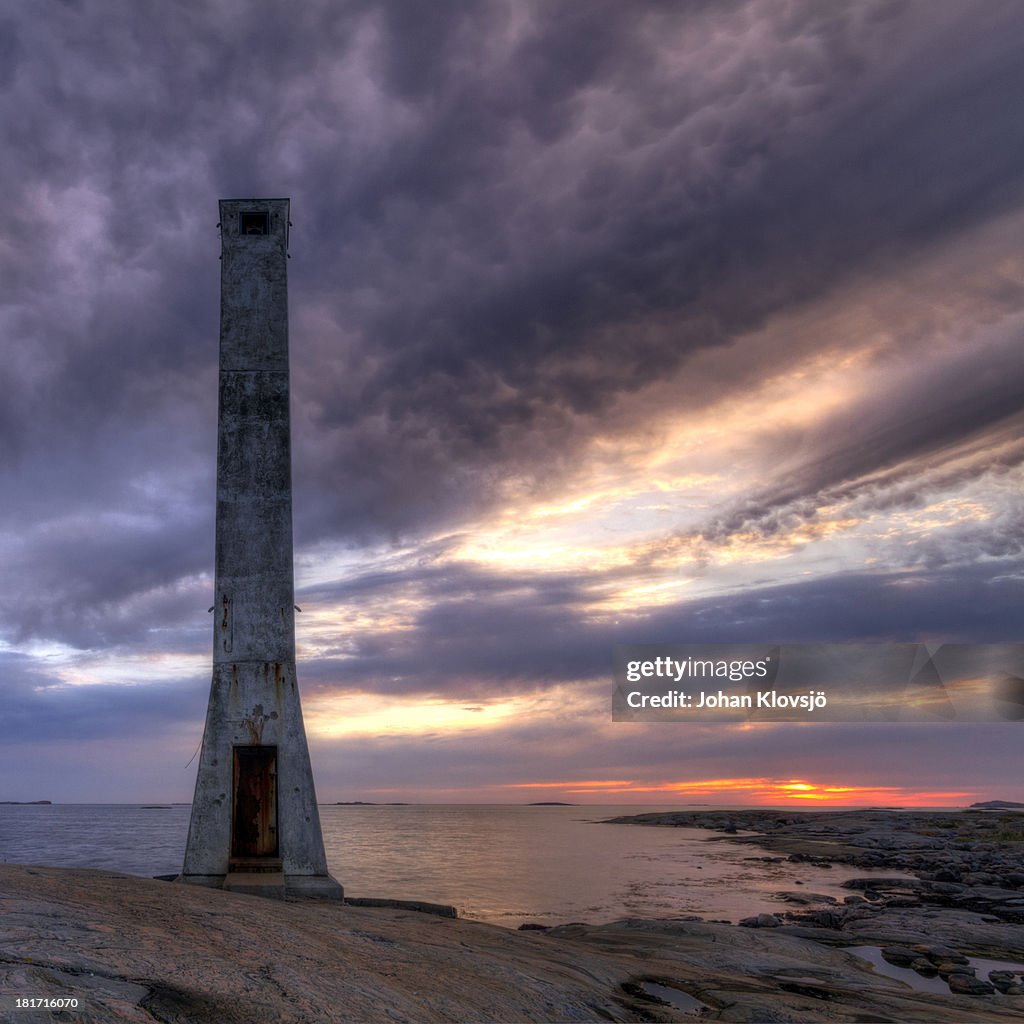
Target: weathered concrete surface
[254, 697]
[137, 950]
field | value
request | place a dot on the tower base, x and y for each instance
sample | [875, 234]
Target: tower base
[272, 884]
[269, 884]
[321, 887]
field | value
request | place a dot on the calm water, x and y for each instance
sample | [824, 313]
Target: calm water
[504, 864]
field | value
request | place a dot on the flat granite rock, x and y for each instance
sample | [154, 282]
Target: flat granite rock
[133, 949]
[136, 950]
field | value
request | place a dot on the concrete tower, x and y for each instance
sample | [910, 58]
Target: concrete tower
[255, 825]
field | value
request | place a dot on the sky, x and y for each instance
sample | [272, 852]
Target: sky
[658, 322]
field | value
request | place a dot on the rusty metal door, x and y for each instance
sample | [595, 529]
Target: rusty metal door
[254, 821]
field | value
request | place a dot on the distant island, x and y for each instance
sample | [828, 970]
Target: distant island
[24, 803]
[367, 803]
[997, 805]
[550, 803]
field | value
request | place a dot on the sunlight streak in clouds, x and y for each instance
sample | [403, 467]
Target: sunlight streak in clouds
[337, 716]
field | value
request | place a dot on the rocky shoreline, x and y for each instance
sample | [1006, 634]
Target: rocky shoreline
[137, 950]
[959, 892]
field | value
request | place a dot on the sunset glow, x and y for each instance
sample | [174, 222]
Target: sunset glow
[759, 792]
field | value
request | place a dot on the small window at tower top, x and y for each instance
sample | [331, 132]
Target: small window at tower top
[255, 222]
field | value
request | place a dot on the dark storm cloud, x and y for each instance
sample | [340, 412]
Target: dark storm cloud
[90, 583]
[965, 605]
[487, 635]
[509, 218]
[471, 645]
[546, 300]
[39, 707]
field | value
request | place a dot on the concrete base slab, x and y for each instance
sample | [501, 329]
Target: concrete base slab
[210, 881]
[275, 884]
[270, 884]
[322, 887]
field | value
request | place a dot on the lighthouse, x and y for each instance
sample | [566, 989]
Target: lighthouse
[255, 826]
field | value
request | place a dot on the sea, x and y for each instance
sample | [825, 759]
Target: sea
[504, 864]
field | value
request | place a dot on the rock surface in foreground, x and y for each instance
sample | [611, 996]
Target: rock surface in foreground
[132, 949]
